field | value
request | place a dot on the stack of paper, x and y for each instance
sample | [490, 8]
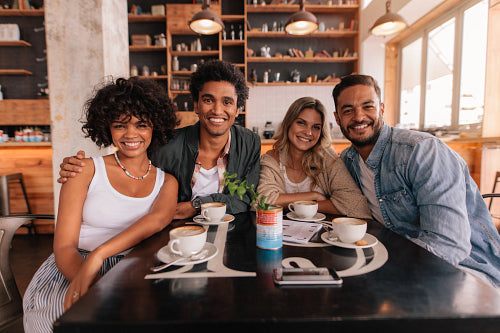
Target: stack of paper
[299, 232]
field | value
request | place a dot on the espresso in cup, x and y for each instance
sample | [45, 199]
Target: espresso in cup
[213, 211]
[304, 209]
[187, 240]
[348, 229]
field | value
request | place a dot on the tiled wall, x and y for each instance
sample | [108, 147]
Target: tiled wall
[270, 103]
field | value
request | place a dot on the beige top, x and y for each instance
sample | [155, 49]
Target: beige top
[336, 182]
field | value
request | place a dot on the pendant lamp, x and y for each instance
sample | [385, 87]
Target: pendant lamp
[302, 22]
[388, 24]
[206, 22]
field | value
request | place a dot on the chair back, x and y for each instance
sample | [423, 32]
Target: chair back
[10, 299]
[497, 180]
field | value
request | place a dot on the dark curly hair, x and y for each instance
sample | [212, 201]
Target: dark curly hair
[219, 70]
[141, 98]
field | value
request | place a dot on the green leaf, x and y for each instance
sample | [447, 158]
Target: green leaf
[241, 191]
[232, 188]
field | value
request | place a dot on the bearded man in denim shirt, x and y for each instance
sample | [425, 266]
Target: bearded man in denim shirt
[415, 184]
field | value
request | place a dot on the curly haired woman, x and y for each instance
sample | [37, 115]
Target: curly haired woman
[303, 165]
[118, 200]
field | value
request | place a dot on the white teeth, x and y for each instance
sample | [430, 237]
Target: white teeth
[360, 126]
[302, 139]
[132, 144]
[216, 120]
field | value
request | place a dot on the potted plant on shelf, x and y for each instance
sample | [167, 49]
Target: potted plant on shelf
[269, 217]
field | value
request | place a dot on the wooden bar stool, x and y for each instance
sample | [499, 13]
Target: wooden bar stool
[5, 180]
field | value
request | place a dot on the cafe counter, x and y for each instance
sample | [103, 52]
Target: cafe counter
[468, 148]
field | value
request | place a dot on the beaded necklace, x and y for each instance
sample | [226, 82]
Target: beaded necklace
[128, 173]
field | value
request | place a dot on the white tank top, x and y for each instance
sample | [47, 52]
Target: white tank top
[107, 212]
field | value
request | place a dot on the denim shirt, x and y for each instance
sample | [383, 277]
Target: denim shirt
[425, 193]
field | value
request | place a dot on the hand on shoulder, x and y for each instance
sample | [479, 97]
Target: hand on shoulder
[71, 166]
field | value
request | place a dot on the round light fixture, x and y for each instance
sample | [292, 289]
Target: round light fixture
[302, 22]
[388, 24]
[206, 22]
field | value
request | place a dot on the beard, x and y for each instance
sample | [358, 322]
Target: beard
[377, 127]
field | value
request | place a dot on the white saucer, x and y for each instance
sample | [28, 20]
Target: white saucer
[201, 220]
[371, 240]
[316, 218]
[165, 255]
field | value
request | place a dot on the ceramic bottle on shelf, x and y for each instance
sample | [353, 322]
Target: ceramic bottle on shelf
[175, 64]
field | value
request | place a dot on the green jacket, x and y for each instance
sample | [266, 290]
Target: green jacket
[179, 155]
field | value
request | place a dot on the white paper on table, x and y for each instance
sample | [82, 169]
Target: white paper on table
[299, 232]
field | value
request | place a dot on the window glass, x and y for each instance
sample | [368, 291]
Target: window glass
[410, 85]
[473, 66]
[439, 85]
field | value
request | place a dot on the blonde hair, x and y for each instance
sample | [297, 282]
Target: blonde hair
[313, 159]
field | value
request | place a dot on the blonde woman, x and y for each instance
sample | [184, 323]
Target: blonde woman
[303, 165]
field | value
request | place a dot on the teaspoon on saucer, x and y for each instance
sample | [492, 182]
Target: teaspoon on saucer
[196, 256]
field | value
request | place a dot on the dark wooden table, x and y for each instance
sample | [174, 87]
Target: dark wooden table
[410, 290]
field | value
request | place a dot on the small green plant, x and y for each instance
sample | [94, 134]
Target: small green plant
[241, 188]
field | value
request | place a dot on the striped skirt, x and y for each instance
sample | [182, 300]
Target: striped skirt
[44, 297]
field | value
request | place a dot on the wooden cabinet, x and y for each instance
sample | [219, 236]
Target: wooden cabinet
[23, 74]
[334, 51]
[23, 67]
[329, 53]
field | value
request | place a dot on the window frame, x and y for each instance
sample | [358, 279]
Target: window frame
[458, 14]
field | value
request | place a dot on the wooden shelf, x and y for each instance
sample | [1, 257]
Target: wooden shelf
[154, 77]
[146, 18]
[295, 8]
[230, 42]
[179, 92]
[232, 18]
[15, 72]
[22, 12]
[14, 43]
[283, 83]
[296, 59]
[26, 144]
[146, 48]
[181, 72]
[282, 34]
[194, 53]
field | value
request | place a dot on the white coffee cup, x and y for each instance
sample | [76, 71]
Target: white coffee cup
[187, 240]
[348, 229]
[213, 211]
[304, 209]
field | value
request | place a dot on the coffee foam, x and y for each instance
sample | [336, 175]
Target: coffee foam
[213, 204]
[349, 222]
[310, 203]
[188, 231]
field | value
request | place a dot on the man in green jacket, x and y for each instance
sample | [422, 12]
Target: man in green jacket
[199, 155]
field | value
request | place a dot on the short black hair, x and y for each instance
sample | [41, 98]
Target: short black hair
[353, 80]
[219, 70]
[141, 98]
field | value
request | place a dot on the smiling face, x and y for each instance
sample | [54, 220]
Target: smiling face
[360, 116]
[131, 136]
[217, 107]
[305, 130]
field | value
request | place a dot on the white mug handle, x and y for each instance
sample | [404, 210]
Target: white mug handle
[204, 216]
[171, 247]
[290, 207]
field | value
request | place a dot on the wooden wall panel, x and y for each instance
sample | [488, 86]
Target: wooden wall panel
[35, 163]
[24, 112]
